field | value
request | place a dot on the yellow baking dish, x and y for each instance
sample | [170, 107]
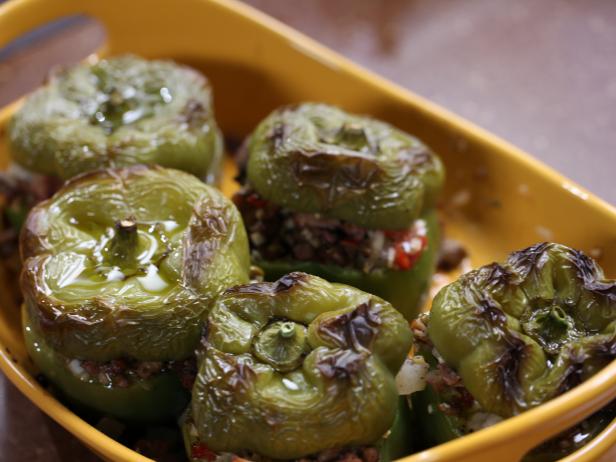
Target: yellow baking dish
[497, 198]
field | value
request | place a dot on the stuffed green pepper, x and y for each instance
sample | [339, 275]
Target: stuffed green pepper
[508, 337]
[119, 269]
[345, 197]
[292, 368]
[118, 112]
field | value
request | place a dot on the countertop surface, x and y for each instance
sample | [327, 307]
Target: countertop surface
[539, 74]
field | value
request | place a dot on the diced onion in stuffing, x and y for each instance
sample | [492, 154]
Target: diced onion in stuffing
[74, 365]
[480, 420]
[412, 376]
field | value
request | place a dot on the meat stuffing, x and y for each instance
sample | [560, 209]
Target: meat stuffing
[122, 373]
[276, 233]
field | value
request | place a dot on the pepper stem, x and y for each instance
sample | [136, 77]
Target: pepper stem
[123, 248]
[353, 135]
[287, 330]
[282, 345]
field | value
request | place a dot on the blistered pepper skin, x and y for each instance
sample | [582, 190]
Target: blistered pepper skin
[158, 399]
[405, 290]
[525, 331]
[118, 112]
[316, 158]
[126, 263]
[298, 366]
[517, 334]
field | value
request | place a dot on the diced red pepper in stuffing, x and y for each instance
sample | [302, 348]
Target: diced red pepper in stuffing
[256, 201]
[201, 451]
[406, 260]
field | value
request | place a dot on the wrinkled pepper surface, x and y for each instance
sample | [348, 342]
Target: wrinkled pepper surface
[508, 337]
[348, 174]
[124, 264]
[394, 445]
[118, 112]
[297, 366]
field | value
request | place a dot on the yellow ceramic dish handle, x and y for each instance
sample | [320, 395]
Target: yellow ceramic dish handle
[165, 28]
[19, 18]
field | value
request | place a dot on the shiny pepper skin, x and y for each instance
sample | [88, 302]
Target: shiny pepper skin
[126, 263]
[317, 158]
[523, 332]
[118, 112]
[297, 366]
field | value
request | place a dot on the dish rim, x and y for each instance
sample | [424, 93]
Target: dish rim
[578, 401]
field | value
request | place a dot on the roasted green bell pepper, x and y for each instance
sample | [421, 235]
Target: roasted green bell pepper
[517, 335]
[317, 159]
[118, 112]
[298, 366]
[125, 263]
[155, 399]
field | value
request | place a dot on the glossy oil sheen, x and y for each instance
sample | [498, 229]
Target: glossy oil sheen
[102, 294]
[309, 361]
[118, 112]
[496, 199]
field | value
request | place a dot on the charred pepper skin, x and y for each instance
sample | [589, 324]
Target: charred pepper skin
[126, 263]
[297, 366]
[521, 333]
[118, 112]
[315, 158]
[158, 399]
[501, 325]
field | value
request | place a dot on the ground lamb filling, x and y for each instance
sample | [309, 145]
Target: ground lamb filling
[276, 233]
[122, 373]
